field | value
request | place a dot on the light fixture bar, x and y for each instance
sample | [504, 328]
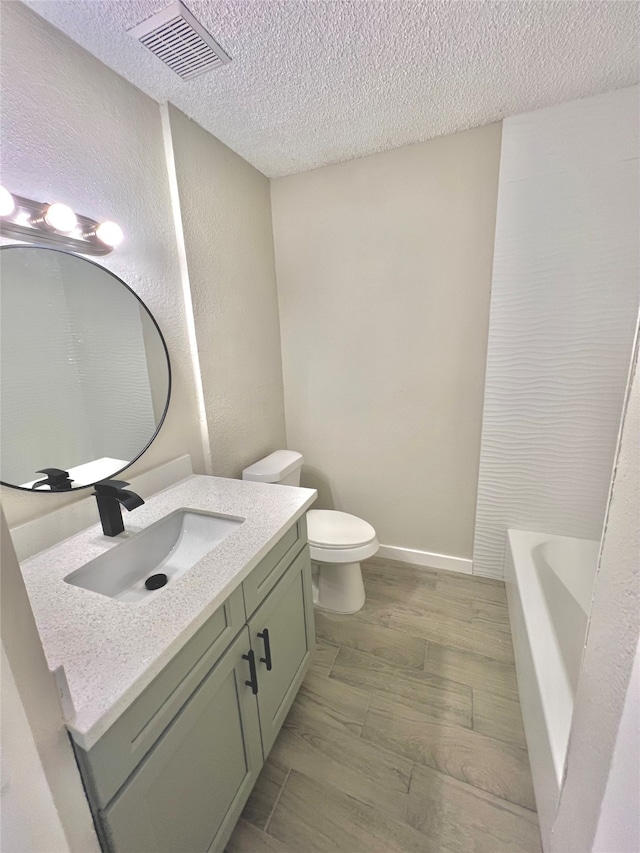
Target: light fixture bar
[27, 223]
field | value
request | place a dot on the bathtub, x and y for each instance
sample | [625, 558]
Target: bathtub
[549, 583]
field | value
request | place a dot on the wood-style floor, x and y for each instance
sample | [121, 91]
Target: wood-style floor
[406, 734]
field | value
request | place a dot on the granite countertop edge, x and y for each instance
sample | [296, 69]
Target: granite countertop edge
[111, 650]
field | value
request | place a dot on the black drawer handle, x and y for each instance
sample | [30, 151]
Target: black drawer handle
[264, 636]
[253, 678]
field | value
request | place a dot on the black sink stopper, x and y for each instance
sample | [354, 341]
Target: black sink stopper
[156, 581]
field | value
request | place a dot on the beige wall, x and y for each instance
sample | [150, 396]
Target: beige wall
[226, 221]
[81, 134]
[384, 275]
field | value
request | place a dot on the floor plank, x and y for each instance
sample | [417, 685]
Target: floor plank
[498, 717]
[338, 705]
[323, 657]
[449, 631]
[345, 762]
[436, 696]
[426, 601]
[472, 586]
[457, 816]
[265, 793]
[247, 838]
[492, 765]
[376, 611]
[395, 647]
[491, 613]
[311, 816]
[390, 584]
[472, 669]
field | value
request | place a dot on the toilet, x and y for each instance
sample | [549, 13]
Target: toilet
[338, 541]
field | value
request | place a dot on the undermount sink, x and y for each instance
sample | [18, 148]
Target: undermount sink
[169, 547]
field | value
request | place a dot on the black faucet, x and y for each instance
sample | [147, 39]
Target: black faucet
[57, 480]
[110, 494]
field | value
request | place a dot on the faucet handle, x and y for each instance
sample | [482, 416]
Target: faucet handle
[107, 487]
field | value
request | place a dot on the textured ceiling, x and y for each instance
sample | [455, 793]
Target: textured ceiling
[318, 82]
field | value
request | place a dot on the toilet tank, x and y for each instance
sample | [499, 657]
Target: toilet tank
[282, 466]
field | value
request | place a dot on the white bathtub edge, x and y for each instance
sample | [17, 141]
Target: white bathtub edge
[544, 772]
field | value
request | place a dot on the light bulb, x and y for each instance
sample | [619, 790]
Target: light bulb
[60, 217]
[109, 233]
[7, 204]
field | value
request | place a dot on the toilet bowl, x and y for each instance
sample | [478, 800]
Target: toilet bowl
[338, 541]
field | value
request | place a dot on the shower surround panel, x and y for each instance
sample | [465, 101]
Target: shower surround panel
[564, 308]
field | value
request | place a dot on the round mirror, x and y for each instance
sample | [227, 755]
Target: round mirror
[84, 371]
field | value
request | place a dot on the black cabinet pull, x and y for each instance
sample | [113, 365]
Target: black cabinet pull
[253, 678]
[264, 636]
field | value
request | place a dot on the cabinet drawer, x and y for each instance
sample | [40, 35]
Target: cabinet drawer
[111, 761]
[269, 571]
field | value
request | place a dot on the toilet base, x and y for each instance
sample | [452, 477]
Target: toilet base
[338, 587]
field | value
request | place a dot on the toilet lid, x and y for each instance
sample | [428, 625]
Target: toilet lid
[328, 528]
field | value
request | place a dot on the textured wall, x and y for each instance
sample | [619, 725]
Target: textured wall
[619, 821]
[563, 308]
[226, 221]
[384, 270]
[607, 665]
[81, 134]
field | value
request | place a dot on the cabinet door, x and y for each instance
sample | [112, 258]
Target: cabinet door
[283, 635]
[188, 792]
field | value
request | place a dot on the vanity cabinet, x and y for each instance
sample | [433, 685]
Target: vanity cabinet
[283, 645]
[200, 772]
[173, 773]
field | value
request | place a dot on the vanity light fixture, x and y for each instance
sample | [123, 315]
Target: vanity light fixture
[55, 224]
[56, 216]
[109, 233]
[7, 204]
[60, 217]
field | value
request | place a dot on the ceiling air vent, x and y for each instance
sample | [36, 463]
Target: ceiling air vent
[183, 44]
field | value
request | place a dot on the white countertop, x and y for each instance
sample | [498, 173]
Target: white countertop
[111, 650]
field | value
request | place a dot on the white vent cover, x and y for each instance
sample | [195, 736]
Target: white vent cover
[183, 44]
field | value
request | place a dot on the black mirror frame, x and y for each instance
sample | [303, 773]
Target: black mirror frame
[169, 378]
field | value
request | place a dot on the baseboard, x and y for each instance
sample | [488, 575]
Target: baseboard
[426, 559]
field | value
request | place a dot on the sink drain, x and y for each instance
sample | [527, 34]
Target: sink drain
[156, 581]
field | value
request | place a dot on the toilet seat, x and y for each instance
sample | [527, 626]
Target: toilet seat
[338, 537]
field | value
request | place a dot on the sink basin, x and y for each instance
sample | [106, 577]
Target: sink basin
[169, 547]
